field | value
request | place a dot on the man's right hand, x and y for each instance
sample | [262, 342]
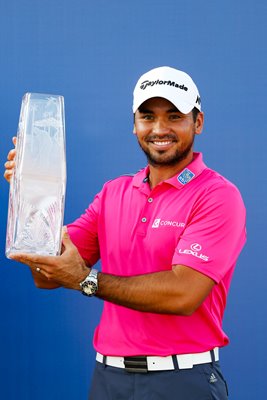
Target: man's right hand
[10, 164]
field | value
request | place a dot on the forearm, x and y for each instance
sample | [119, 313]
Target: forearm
[157, 292]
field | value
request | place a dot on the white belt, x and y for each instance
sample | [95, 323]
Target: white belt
[155, 363]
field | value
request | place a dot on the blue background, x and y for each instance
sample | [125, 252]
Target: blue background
[92, 52]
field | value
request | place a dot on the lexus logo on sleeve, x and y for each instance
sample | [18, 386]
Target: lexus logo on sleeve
[195, 250]
[196, 247]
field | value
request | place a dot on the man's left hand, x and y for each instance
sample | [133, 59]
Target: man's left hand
[67, 270]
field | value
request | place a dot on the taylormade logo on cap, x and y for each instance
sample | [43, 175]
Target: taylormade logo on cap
[158, 82]
[169, 83]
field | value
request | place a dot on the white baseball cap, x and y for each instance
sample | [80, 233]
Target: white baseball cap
[169, 83]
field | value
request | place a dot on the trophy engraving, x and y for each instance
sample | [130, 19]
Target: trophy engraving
[38, 185]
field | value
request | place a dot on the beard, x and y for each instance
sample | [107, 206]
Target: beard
[162, 158]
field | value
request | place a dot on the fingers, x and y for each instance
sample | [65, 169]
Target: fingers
[11, 155]
[64, 230]
[38, 264]
[33, 259]
[66, 240]
[8, 175]
[9, 168]
[10, 164]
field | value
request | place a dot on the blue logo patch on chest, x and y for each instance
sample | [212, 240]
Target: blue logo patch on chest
[185, 176]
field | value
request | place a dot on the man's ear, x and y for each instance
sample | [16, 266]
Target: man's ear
[134, 130]
[199, 123]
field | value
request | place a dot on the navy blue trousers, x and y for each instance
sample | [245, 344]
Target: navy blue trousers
[202, 382]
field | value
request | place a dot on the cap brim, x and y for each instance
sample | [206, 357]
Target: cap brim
[181, 105]
[184, 108]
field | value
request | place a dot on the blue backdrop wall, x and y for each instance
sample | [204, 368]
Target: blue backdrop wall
[92, 52]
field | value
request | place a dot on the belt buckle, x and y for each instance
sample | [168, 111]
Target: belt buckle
[136, 364]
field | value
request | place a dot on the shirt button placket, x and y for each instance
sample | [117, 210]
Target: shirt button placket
[142, 230]
[150, 200]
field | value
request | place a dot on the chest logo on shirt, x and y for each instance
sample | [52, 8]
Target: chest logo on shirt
[185, 176]
[194, 250]
[159, 222]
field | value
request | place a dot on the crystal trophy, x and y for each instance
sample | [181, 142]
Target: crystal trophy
[38, 185]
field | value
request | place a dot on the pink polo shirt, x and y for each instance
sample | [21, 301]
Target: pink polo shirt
[197, 219]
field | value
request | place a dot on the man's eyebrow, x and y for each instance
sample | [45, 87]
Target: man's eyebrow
[172, 110]
[144, 110]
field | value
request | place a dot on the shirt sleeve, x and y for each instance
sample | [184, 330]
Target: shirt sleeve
[84, 233]
[215, 233]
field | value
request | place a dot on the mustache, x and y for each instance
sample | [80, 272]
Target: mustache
[167, 136]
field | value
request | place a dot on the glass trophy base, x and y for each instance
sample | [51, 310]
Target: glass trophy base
[37, 189]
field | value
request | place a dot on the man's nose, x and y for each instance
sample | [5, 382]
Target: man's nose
[161, 127]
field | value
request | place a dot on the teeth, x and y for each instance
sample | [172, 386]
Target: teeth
[162, 143]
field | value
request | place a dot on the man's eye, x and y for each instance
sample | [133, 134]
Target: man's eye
[148, 117]
[174, 116]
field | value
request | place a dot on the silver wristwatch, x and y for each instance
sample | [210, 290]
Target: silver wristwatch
[89, 285]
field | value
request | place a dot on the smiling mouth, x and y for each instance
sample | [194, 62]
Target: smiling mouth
[164, 140]
[165, 143]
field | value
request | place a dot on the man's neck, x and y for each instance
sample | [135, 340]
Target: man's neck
[158, 174]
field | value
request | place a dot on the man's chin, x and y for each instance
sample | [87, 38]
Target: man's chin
[161, 158]
[163, 162]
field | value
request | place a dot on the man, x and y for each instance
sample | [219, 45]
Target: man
[168, 238]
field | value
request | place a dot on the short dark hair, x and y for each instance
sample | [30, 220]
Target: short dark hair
[195, 113]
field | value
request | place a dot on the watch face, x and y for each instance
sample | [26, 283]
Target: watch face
[89, 288]
[89, 285]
